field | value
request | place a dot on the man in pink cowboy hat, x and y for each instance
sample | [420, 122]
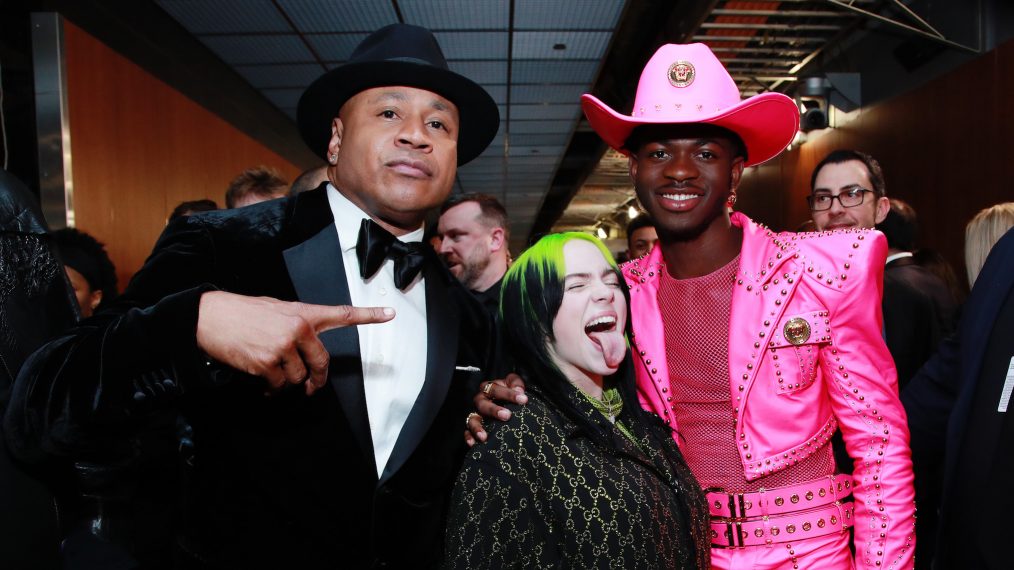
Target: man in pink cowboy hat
[755, 346]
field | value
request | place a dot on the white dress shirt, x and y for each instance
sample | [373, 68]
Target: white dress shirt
[393, 353]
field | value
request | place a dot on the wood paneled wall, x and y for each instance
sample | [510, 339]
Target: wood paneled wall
[139, 148]
[947, 148]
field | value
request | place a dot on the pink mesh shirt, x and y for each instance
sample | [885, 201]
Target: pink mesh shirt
[695, 315]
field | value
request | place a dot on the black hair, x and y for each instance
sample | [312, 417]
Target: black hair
[87, 256]
[530, 297]
[193, 207]
[641, 221]
[900, 226]
[873, 170]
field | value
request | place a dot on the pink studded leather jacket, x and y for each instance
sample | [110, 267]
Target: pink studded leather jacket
[813, 299]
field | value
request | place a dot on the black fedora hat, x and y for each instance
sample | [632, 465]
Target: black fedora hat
[399, 54]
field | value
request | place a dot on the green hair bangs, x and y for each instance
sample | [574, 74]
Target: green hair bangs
[544, 261]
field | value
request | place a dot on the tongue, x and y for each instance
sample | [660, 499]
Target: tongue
[613, 346]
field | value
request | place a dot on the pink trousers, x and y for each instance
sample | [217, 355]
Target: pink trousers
[830, 552]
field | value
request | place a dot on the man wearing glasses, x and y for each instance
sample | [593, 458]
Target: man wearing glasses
[847, 192]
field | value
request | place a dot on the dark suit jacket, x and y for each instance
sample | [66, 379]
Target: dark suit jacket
[943, 399]
[281, 481]
[918, 314]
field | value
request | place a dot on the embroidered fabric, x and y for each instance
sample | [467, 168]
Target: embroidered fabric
[539, 494]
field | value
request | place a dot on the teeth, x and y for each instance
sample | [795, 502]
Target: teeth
[602, 321]
[679, 197]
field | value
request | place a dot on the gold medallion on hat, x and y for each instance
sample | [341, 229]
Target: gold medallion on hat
[681, 73]
[796, 331]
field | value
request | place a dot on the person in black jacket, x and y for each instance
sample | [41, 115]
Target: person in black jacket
[36, 304]
[581, 476]
[239, 318]
[919, 310]
[958, 412]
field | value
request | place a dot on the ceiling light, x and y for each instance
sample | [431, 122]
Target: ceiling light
[632, 212]
[601, 232]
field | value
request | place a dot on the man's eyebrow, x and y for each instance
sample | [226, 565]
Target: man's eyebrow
[844, 188]
[386, 95]
[705, 140]
[439, 105]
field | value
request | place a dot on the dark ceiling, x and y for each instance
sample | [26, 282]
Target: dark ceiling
[248, 61]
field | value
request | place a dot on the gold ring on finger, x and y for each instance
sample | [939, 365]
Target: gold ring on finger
[488, 388]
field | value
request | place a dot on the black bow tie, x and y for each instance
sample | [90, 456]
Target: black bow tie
[377, 244]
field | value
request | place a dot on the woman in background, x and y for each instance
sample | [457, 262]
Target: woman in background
[982, 233]
[581, 476]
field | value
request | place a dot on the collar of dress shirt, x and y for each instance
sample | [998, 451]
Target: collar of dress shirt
[348, 217]
[892, 257]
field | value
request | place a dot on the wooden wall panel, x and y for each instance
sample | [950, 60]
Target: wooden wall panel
[139, 148]
[946, 147]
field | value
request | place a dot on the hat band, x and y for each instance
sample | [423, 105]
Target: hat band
[677, 111]
[410, 60]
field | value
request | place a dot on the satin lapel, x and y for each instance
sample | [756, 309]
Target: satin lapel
[318, 274]
[441, 351]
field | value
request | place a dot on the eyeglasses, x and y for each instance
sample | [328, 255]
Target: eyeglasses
[848, 199]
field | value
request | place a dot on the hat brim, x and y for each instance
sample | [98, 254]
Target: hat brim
[479, 117]
[766, 123]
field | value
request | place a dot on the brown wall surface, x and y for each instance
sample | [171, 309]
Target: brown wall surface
[139, 148]
[947, 148]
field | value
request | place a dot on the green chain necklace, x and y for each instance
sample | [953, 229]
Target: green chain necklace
[610, 405]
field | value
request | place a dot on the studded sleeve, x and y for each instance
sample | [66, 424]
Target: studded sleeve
[863, 389]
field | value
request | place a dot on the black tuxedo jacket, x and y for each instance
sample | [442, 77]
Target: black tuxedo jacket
[918, 314]
[284, 480]
[952, 412]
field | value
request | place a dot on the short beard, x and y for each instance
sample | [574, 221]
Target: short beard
[471, 271]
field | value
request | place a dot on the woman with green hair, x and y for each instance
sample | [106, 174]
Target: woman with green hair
[581, 476]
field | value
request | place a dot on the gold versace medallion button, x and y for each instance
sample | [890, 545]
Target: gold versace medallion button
[796, 331]
[681, 74]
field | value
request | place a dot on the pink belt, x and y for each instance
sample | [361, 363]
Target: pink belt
[811, 509]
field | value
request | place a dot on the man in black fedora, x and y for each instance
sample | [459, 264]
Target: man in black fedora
[317, 444]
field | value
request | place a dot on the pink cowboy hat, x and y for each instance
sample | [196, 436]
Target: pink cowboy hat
[685, 83]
